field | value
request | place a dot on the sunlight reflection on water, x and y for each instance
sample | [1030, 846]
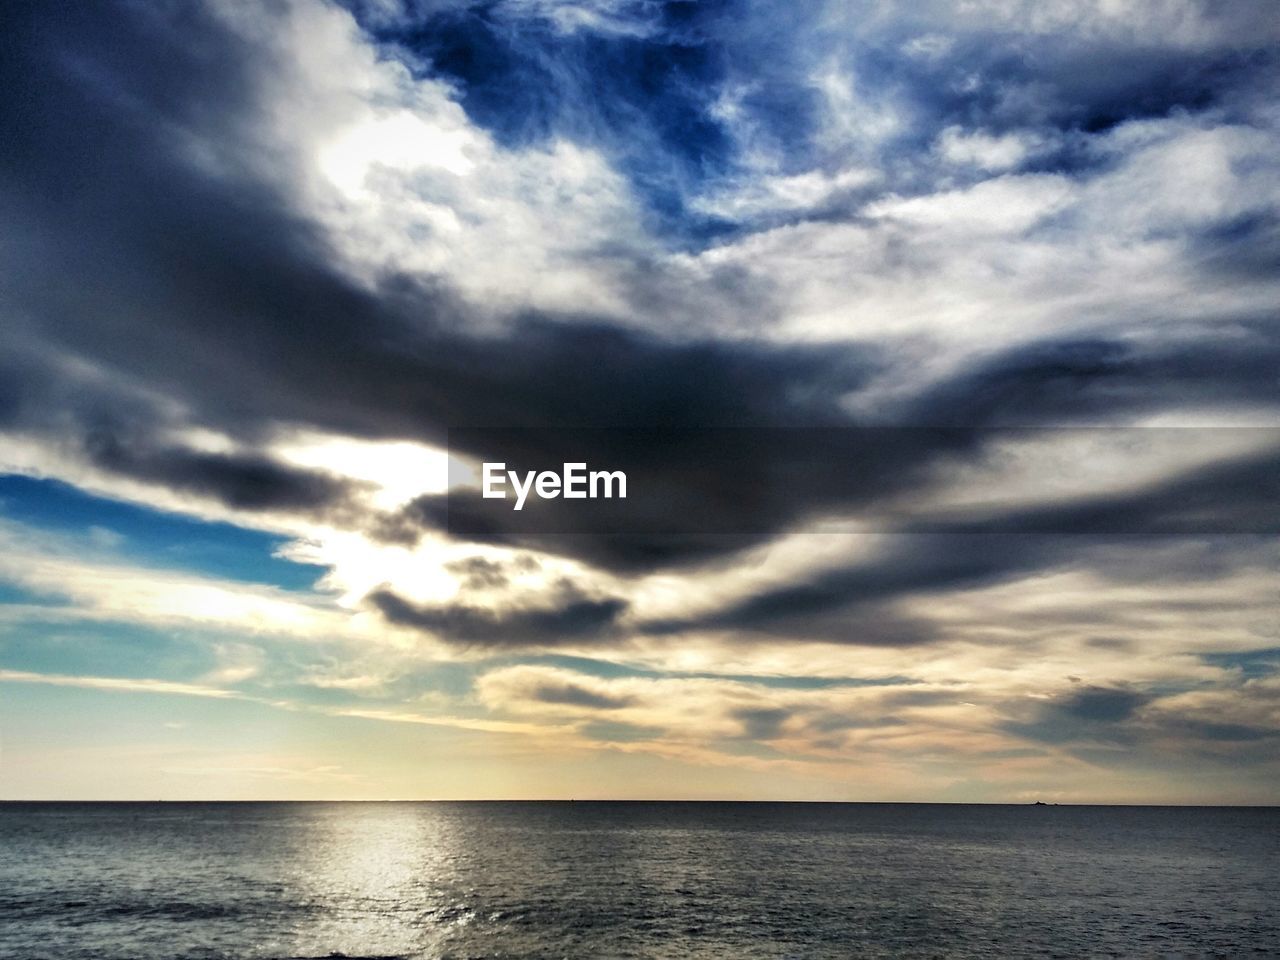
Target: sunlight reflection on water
[214, 881]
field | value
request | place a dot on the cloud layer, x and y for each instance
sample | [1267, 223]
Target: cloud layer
[260, 257]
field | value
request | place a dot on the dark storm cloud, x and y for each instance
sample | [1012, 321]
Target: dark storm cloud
[574, 617]
[1237, 496]
[1227, 514]
[567, 693]
[1060, 380]
[1092, 714]
[245, 482]
[1100, 704]
[1232, 733]
[622, 551]
[850, 603]
[1131, 718]
[211, 292]
[208, 291]
[693, 493]
[116, 431]
[1245, 248]
[762, 723]
[481, 573]
[195, 281]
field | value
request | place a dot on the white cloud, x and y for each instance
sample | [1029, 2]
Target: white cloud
[109, 588]
[995, 153]
[1005, 206]
[391, 166]
[126, 684]
[780, 195]
[625, 18]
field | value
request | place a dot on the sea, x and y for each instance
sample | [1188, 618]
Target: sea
[635, 880]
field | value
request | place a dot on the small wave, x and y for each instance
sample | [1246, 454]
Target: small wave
[90, 910]
[171, 910]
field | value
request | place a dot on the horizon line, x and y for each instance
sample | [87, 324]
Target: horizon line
[566, 800]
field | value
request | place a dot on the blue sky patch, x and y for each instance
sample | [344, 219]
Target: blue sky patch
[153, 537]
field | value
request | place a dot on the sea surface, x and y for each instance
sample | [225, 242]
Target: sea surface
[651, 880]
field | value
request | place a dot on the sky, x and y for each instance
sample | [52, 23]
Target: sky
[939, 342]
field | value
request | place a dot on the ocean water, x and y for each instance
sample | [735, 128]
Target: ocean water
[644, 880]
